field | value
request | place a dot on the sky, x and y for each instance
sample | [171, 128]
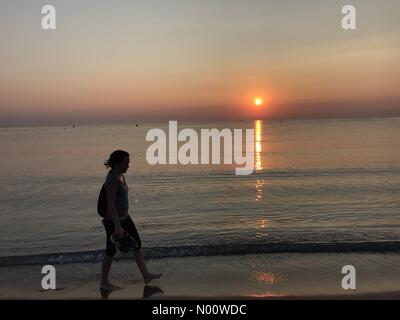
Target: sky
[150, 60]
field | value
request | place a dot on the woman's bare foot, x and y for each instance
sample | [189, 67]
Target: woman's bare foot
[151, 276]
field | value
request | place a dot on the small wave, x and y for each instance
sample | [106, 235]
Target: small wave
[211, 250]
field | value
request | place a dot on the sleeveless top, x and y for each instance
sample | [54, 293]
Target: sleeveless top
[121, 196]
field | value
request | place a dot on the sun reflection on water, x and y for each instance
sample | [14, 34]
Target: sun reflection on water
[258, 132]
[259, 189]
[266, 277]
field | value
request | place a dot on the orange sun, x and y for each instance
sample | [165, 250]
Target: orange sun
[258, 101]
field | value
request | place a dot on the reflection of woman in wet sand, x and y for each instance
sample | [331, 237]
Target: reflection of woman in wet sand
[117, 220]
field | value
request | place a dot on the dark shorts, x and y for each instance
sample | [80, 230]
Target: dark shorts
[126, 224]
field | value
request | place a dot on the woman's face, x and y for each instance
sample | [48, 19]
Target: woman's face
[124, 165]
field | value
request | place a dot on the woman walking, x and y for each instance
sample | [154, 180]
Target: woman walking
[117, 221]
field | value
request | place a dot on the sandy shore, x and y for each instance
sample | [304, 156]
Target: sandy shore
[260, 276]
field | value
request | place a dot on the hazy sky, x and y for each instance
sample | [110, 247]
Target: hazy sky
[127, 60]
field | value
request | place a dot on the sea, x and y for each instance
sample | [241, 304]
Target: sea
[330, 185]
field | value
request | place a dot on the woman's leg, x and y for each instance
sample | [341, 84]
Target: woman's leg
[129, 226]
[105, 270]
[108, 258]
[147, 276]
[105, 284]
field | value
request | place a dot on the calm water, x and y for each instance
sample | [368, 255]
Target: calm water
[315, 181]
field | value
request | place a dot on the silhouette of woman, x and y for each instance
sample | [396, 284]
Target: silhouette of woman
[117, 220]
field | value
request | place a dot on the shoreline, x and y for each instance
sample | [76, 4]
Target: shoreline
[153, 253]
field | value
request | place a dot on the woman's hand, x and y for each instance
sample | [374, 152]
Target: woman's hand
[119, 232]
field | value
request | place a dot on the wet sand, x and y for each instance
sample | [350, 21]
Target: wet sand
[259, 276]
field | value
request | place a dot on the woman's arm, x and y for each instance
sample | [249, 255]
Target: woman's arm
[111, 190]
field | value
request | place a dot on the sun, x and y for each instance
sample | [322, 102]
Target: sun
[258, 101]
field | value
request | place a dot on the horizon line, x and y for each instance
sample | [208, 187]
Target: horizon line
[200, 121]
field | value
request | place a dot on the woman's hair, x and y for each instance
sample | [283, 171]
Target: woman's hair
[116, 158]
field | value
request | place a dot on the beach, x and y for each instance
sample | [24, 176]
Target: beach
[257, 276]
